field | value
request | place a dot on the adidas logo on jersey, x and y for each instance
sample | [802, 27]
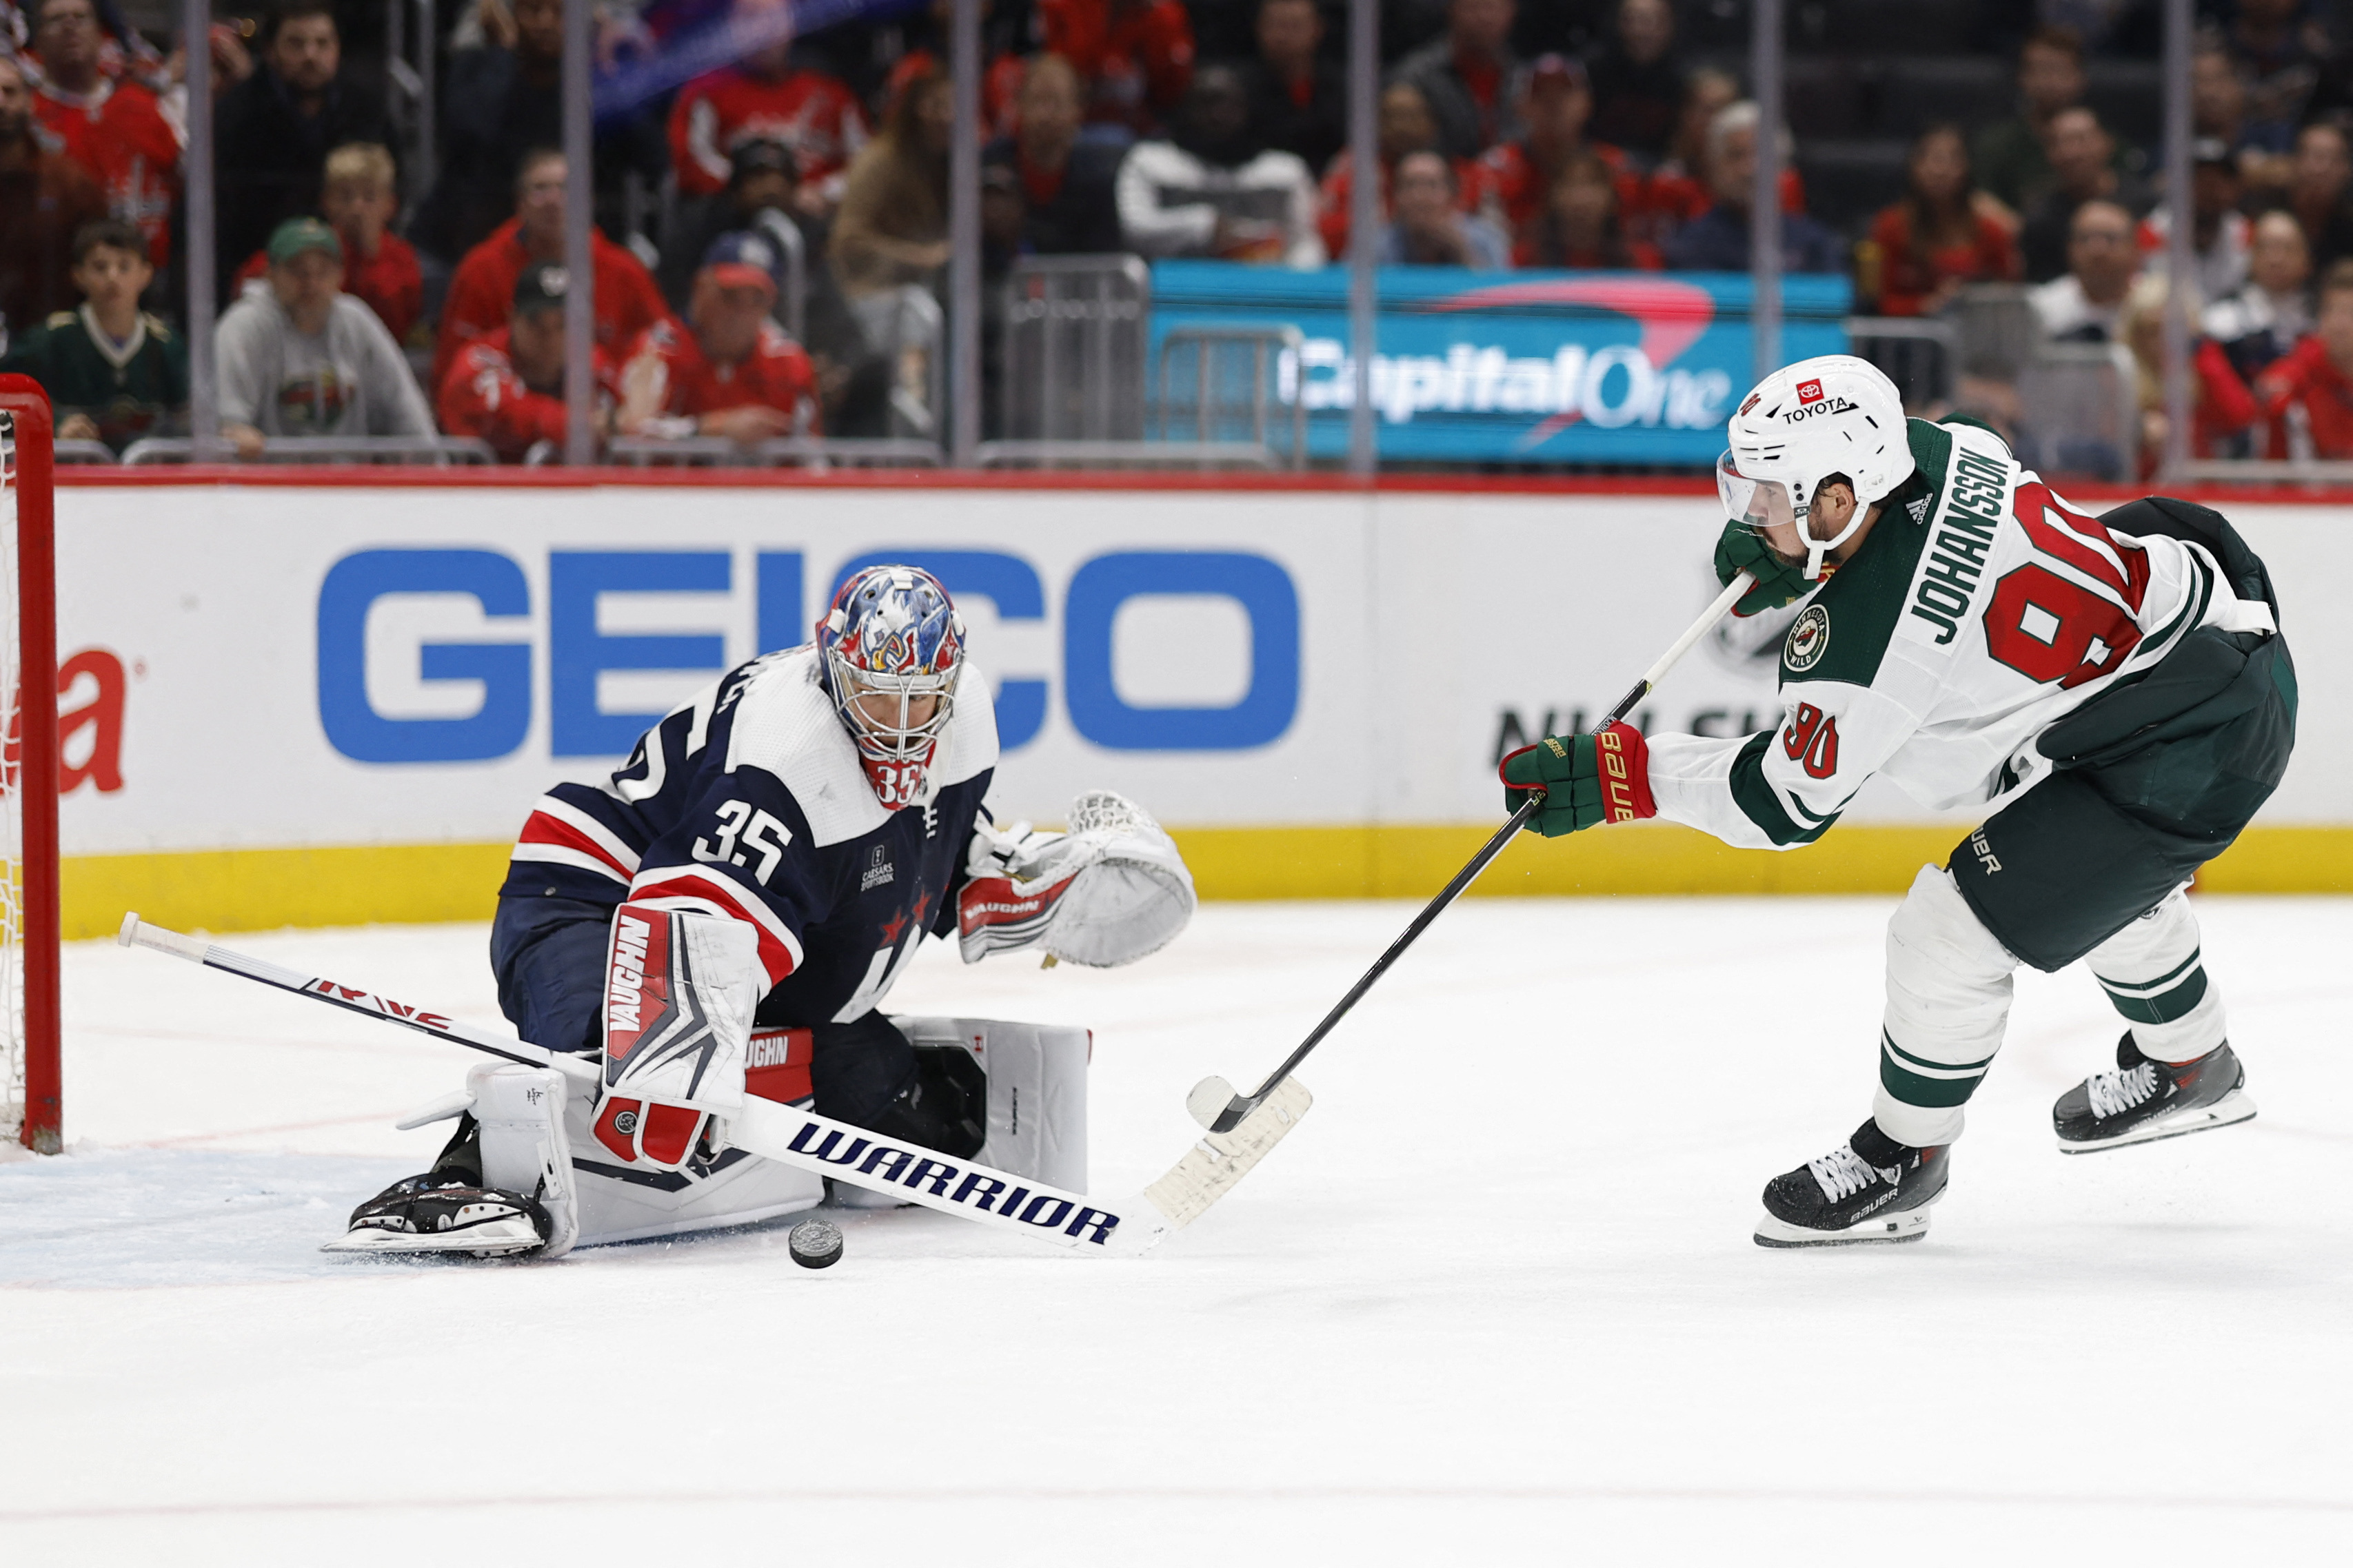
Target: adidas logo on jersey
[1918, 509]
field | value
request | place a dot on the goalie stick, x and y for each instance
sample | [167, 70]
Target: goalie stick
[1125, 1227]
[1215, 1104]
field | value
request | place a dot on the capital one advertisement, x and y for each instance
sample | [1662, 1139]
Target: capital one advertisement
[279, 666]
[1524, 367]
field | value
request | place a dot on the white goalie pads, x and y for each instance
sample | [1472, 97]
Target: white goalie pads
[1109, 891]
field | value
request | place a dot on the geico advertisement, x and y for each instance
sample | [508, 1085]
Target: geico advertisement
[281, 666]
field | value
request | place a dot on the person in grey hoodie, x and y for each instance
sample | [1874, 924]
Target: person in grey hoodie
[303, 358]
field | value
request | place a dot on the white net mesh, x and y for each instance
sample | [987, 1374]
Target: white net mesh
[12, 816]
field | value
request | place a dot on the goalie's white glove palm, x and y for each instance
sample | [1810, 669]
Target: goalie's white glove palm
[1108, 892]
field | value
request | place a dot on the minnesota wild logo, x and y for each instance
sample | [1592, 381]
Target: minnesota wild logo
[1809, 638]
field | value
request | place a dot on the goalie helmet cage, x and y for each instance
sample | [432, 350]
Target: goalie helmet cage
[31, 1105]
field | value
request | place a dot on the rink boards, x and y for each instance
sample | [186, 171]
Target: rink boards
[316, 702]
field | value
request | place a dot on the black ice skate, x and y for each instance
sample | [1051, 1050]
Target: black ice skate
[424, 1214]
[2143, 1101]
[448, 1209]
[1869, 1188]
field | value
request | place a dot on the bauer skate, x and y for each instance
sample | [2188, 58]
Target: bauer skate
[2143, 1101]
[1869, 1188]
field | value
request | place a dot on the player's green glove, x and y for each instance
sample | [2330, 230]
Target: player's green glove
[1778, 583]
[1587, 779]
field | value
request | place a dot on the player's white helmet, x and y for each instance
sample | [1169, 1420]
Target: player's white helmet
[1832, 416]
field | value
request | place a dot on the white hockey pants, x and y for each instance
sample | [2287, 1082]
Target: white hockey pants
[1948, 989]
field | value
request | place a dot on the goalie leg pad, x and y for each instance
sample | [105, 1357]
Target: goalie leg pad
[525, 1145]
[680, 989]
[1037, 1091]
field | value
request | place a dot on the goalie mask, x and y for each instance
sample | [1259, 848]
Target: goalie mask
[1832, 417]
[891, 648]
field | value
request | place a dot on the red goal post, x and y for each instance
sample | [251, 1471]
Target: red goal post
[30, 1094]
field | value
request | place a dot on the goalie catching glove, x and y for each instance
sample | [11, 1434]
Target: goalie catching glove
[1587, 779]
[1107, 892]
[680, 991]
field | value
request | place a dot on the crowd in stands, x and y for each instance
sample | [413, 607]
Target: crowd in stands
[787, 216]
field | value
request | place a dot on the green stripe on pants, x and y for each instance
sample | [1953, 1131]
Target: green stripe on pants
[1938, 1088]
[2165, 1005]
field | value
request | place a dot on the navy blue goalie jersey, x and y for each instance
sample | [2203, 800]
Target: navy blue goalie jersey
[748, 801]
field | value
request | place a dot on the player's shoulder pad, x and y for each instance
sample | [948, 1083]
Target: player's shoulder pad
[786, 725]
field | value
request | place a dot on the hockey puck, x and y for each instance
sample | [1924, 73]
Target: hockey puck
[816, 1244]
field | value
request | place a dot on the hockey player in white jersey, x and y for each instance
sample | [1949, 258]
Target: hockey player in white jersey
[2114, 688]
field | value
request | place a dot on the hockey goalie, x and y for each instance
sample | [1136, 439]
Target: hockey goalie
[724, 916]
[2113, 690]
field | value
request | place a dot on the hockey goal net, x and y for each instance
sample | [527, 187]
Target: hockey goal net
[31, 1103]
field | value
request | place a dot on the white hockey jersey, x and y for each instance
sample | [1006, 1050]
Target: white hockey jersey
[1981, 609]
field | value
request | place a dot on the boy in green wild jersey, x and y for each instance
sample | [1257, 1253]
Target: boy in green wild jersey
[113, 372]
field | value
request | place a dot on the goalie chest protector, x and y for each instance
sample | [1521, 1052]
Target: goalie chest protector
[750, 797]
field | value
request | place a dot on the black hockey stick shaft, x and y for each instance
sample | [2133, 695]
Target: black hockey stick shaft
[1243, 1105]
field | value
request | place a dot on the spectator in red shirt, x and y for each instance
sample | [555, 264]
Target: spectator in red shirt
[1555, 103]
[46, 197]
[116, 129]
[380, 268]
[2308, 395]
[507, 387]
[1465, 76]
[627, 302]
[762, 97]
[1136, 56]
[1583, 227]
[2221, 408]
[729, 370]
[1938, 238]
[1405, 126]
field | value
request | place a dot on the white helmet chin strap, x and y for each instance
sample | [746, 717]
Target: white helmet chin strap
[1818, 549]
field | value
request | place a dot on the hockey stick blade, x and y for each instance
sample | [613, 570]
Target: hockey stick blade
[1127, 1227]
[1208, 1100]
[1223, 1115]
[1212, 1167]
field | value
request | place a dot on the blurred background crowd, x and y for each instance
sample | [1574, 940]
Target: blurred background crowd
[772, 231]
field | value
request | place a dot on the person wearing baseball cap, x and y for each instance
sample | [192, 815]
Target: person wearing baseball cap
[1554, 101]
[303, 358]
[2221, 236]
[729, 369]
[508, 388]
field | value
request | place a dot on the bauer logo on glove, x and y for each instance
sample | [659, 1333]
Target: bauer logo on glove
[1587, 779]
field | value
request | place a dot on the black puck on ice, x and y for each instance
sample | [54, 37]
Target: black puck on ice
[816, 1244]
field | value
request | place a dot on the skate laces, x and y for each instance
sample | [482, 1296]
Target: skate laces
[2119, 1090]
[1842, 1173]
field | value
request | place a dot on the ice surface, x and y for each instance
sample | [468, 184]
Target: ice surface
[1495, 1301]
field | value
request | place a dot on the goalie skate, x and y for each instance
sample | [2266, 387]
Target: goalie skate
[1870, 1188]
[2143, 1101]
[427, 1214]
